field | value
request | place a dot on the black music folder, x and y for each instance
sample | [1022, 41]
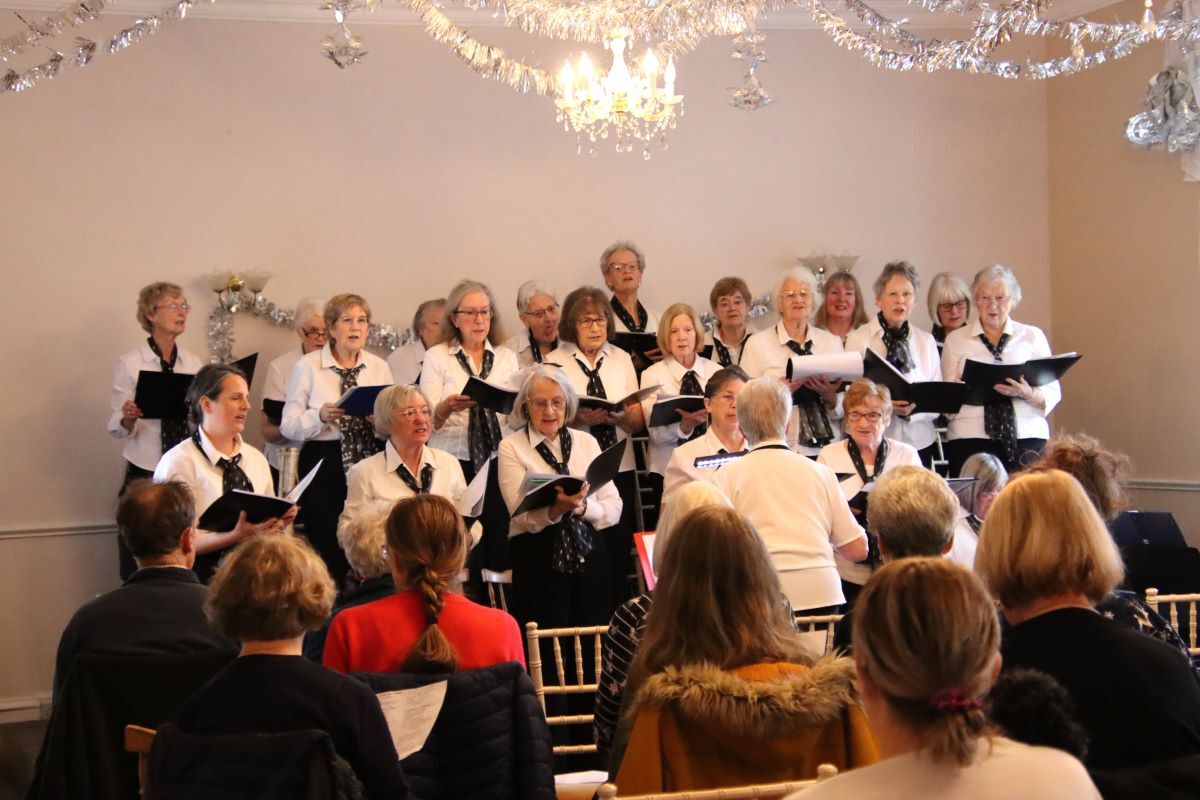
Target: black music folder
[359, 401]
[539, 487]
[587, 401]
[934, 397]
[491, 396]
[632, 342]
[222, 514]
[981, 376]
[274, 410]
[665, 408]
[162, 395]
[247, 365]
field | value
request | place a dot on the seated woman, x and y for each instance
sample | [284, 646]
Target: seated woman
[926, 644]
[1048, 559]
[722, 691]
[268, 592]
[723, 434]
[426, 626]
[976, 497]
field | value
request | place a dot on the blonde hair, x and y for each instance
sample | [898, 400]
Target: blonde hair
[148, 298]
[664, 326]
[912, 512]
[946, 287]
[428, 546]
[1043, 537]
[1101, 472]
[270, 587]
[927, 637]
[858, 392]
[841, 278]
[689, 497]
[362, 536]
[389, 401]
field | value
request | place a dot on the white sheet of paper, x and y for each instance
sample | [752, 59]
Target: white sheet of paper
[846, 366]
[595, 776]
[294, 495]
[470, 503]
[410, 715]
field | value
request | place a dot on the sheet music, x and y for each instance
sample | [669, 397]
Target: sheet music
[410, 715]
[294, 495]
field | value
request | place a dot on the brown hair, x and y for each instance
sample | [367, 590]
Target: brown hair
[842, 278]
[862, 388]
[270, 587]
[341, 303]
[1101, 472]
[152, 516]
[927, 637]
[585, 298]
[428, 546]
[208, 383]
[148, 298]
[725, 287]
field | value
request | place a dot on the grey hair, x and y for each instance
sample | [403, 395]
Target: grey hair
[763, 408]
[520, 414]
[390, 399]
[989, 474]
[461, 290]
[422, 313]
[998, 272]
[531, 289]
[618, 246]
[362, 535]
[697, 494]
[801, 274]
[946, 287]
[903, 269]
[309, 307]
[912, 513]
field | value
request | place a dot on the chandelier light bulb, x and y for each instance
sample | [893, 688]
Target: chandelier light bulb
[650, 65]
[1148, 25]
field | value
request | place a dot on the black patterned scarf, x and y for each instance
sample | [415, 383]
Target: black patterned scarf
[358, 434]
[232, 474]
[483, 428]
[171, 431]
[724, 357]
[411, 482]
[690, 385]
[574, 541]
[606, 435]
[622, 314]
[999, 415]
[896, 341]
[815, 428]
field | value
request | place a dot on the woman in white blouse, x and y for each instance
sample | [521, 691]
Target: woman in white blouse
[729, 300]
[162, 311]
[681, 372]
[859, 460]
[818, 408]
[215, 460]
[1013, 428]
[537, 306]
[560, 552]
[842, 310]
[913, 352]
[331, 437]
[407, 466]
[463, 429]
[723, 434]
[623, 265]
[949, 304]
[310, 328]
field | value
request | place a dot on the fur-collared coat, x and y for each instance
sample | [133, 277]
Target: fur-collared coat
[701, 727]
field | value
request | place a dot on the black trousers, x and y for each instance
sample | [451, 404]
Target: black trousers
[126, 566]
[322, 504]
[619, 538]
[927, 455]
[492, 552]
[959, 450]
[559, 599]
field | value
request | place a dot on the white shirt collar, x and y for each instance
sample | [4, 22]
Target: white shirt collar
[572, 349]
[392, 459]
[977, 327]
[212, 453]
[329, 362]
[784, 337]
[536, 437]
[716, 335]
[458, 348]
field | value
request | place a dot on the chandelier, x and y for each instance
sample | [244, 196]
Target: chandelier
[630, 107]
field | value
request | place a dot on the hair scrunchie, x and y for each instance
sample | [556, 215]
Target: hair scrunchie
[954, 700]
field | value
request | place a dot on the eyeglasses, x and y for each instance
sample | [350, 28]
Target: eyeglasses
[475, 313]
[361, 320]
[184, 307]
[592, 322]
[315, 333]
[999, 300]
[725, 397]
[410, 413]
[541, 403]
[801, 293]
[541, 313]
[623, 267]
[870, 416]
[961, 305]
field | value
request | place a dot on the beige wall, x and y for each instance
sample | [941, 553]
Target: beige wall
[1125, 278]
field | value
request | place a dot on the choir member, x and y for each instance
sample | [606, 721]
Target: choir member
[427, 327]
[162, 312]
[913, 352]
[729, 300]
[815, 421]
[1013, 428]
[313, 333]
[215, 460]
[311, 415]
[723, 434]
[949, 302]
[623, 265]
[842, 310]
[537, 306]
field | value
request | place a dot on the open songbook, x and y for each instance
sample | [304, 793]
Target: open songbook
[667, 406]
[491, 396]
[222, 515]
[587, 401]
[934, 397]
[161, 395]
[982, 376]
[359, 401]
[538, 487]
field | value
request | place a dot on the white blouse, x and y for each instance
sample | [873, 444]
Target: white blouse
[682, 470]
[767, 354]
[736, 351]
[184, 462]
[405, 362]
[275, 388]
[375, 478]
[836, 456]
[143, 445]
[918, 429]
[1025, 342]
[313, 383]
[669, 374]
[521, 345]
[442, 376]
[519, 457]
[616, 373]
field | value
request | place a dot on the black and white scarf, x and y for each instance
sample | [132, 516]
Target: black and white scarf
[896, 341]
[622, 314]
[815, 428]
[999, 415]
[574, 541]
[232, 474]
[606, 435]
[358, 434]
[483, 428]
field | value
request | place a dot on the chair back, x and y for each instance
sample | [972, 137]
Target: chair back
[574, 681]
[766, 791]
[824, 623]
[1181, 613]
[139, 740]
[496, 583]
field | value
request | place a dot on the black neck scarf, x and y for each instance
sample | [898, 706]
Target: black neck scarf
[815, 428]
[411, 482]
[171, 431]
[999, 415]
[232, 474]
[896, 341]
[606, 435]
[574, 541]
[724, 357]
[483, 428]
[873, 559]
[358, 435]
[537, 349]
[623, 314]
[691, 385]
[939, 334]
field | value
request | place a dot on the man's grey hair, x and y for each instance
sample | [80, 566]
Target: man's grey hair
[763, 408]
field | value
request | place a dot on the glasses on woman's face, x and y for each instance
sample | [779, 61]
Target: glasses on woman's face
[870, 416]
[543, 404]
[791, 294]
[623, 267]
[184, 307]
[592, 322]
[989, 301]
[474, 313]
[541, 313]
[315, 333]
[946, 308]
[725, 397]
[412, 412]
